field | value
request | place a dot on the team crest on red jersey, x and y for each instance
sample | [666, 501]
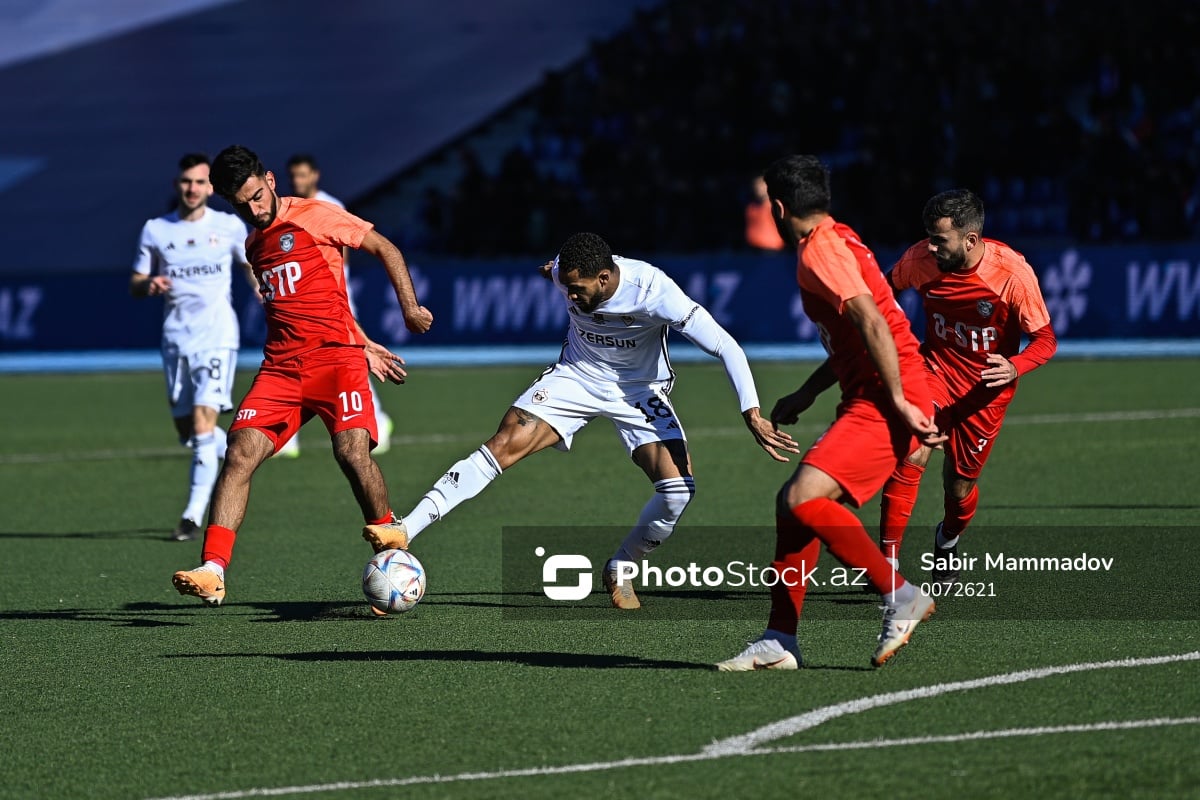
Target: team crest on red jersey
[286, 242]
[985, 308]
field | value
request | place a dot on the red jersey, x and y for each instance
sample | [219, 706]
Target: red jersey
[298, 263]
[971, 315]
[833, 267]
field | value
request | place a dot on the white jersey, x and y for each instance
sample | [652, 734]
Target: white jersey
[625, 339]
[199, 259]
[328, 198]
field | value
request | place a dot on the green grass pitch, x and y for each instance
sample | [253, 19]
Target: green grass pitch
[113, 686]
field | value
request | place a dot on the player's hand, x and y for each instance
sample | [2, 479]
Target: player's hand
[384, 364]
[419, 320]
[789, 407]
[1001, 372]
[923, 426]
[159, 284]
[547, 270]
[768, 436]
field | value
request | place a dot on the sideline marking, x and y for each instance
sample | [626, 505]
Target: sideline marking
[726, 748]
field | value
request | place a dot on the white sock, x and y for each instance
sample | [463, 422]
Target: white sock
[204, 475]
[787, 640]
[658, 518]
[904, 593]
[943, 543]
[213, 566]
[462, 481]
[222, 441]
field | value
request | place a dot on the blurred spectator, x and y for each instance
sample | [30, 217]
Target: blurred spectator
[761, 232]
[1064, 114]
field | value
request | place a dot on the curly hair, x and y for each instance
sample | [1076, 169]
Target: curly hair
[585, 252]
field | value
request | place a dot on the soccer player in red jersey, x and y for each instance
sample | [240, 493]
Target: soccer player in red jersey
[316, 358]
[885, 412]
[980, 295]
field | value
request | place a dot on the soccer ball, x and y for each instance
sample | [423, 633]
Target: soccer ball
[393, 581]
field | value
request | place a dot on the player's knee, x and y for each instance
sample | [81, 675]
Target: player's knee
[676, 498]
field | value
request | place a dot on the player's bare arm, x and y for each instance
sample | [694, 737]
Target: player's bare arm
[148, 286]
[877, 337]
[768, 435]
[417, 318]
[788, 408]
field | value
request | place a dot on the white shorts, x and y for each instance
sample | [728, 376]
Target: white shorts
[201, 379]
[566, 401]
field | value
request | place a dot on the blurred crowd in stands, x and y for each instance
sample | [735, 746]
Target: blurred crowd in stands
[1073, 119]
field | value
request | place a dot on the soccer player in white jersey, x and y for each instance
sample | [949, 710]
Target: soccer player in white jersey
[305, 175]
[187, 257]
[614, 364]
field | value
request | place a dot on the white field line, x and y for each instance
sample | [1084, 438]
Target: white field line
[811, 719]
[317, 441]
[716, 750]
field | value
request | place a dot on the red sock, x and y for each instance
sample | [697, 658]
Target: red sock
[384, 520]
[848, 541]
[959, 513]
[899, 497]
[218, 545]
[796, 554]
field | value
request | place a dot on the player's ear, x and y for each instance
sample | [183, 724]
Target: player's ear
[971, 241]
[271, 180]
[777, 210]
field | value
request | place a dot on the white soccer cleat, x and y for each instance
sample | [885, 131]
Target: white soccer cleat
[762, 654]
[898, 625]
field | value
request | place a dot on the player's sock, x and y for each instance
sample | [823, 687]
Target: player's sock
[848, 541]
[384, 520]
[788, 640]
[658, 518]
[796, 554]
[222, 439]
[215, 567]
[959, 514]
[462, 481]
[204, 475]
[899, 497]
[218, 546]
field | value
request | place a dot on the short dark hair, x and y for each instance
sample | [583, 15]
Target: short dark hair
[302, 159]
[586, 253]
[233, 167]
[190, 160]
[962, 206]
[801, 183]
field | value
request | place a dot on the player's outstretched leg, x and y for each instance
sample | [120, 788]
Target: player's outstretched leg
[464, 480]
[654, 525]
[796, 555]
[959, 513]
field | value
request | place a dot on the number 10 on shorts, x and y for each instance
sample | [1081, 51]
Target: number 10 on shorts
[351, 404]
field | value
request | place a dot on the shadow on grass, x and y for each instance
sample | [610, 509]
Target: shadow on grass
[527, 658]
[128, 533]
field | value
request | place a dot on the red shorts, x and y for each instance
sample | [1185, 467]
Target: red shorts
[329, 382]
[972, 428]
[862, 447]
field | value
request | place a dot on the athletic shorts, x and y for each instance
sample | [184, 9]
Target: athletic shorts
[566, 401]
[971, 426]
[203, 378]
[329, 382]
[862, 447]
